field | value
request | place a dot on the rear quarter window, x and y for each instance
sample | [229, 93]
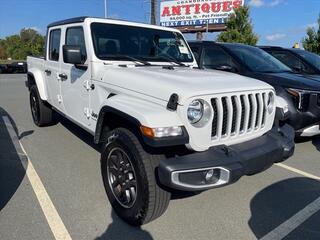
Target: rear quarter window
[54, 44]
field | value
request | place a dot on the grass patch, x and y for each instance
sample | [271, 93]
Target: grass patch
[11, 61]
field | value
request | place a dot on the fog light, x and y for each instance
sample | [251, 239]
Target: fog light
[212, 175]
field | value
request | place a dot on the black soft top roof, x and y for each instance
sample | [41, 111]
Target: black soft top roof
[68, 21]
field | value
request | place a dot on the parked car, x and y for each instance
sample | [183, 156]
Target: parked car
[298, 60]
[2, 68]
[15, 67]
[5, 68]
[301, 93]
[18, 67]
[163, 125]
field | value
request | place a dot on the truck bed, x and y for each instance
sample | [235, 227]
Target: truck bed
[35, 62]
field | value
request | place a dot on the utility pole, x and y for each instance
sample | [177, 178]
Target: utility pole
[153, 12]
[105, 9]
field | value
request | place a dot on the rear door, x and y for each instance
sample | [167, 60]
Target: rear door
[76, 85]
[52, 67]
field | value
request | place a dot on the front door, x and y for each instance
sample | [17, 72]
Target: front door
[52, 68]
[76, 82]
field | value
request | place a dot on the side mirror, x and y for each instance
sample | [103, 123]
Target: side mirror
[297, 69]
[72, 54]
[227, 68]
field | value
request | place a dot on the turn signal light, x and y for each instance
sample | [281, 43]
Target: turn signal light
[161, 132]
[146, 131]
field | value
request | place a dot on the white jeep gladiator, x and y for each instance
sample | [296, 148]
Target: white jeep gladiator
[163, 124]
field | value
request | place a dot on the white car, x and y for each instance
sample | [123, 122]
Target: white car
[163, 124]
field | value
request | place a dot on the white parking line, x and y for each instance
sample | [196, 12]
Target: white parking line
[295, 170]
[295, 221]
[55, 222]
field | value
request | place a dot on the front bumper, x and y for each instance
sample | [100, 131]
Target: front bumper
[223, 165]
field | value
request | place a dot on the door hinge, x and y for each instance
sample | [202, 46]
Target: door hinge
[59, 98]
[87, 85]
[87, 112]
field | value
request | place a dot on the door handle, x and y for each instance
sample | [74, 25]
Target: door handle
[63, 76]
[47, 71]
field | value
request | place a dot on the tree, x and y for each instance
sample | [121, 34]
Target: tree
[33, 42]
[14, 47]
[3, 50]
[239, 28]
[312, 41]
[19, 46]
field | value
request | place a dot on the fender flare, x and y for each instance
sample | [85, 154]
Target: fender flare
[103, 112]
[155, 142]
[39, 81]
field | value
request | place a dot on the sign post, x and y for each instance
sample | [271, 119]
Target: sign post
[105, 9]
[193, 16]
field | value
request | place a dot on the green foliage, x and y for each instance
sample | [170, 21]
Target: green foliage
[3, 52]
[239, 28]
[312, 41]
[28, 42]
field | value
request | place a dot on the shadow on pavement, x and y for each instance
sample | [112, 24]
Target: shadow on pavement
[12, 160]
[119, 230]
[79, 132]
[279, 202]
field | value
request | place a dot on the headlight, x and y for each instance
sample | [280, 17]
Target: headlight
[270, 102]
[195, 111]
[161, 132]
[301, 97]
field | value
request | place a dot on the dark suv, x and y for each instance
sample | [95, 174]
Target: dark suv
[301, 93]
[298, 60]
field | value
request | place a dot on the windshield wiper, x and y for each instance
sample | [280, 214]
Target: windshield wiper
[171, 59]
[128, 57]
[167, 57]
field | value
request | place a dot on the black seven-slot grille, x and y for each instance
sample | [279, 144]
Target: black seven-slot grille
[238, 114]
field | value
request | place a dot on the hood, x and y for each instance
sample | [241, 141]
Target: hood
[291, 80]
[313, 76]
[161, 83]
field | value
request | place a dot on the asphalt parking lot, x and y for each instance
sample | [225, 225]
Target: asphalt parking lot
[51, 188]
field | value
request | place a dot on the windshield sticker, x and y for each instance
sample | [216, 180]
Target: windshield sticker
[183, 50]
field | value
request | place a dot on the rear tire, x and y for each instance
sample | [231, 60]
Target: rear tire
[147, 200]
[42, 113]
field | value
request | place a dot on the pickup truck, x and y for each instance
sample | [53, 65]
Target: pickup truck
[301, 92]
[163, 125]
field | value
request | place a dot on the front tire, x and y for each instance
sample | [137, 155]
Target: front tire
[42, 113]
[130, 180]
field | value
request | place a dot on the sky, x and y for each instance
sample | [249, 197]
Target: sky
[277, 22]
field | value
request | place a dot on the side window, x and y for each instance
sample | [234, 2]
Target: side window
[75, 36]
[54, 45]
[196, 52]
[291, 61]
[215, 57]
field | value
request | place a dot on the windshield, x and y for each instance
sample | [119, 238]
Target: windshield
[119, 42]
[257, 60]
[312, 58]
